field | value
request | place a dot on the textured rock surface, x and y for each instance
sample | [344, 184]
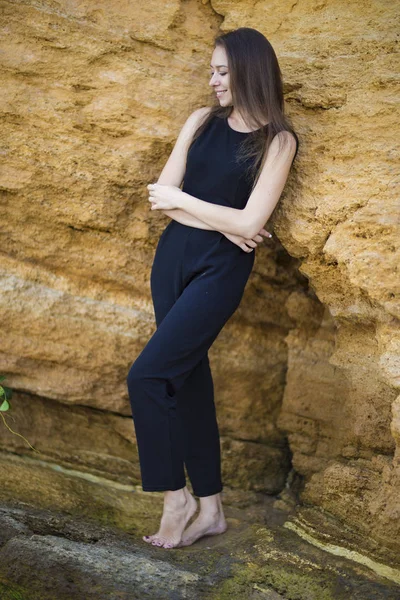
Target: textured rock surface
[92, 100]
[46, 555]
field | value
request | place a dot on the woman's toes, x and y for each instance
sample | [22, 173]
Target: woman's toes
[162, 542]
[167, 544]
[156, 542]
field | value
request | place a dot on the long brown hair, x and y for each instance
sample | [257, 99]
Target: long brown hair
[257, 93]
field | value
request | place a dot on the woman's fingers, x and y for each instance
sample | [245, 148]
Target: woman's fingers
[258, 238]
[265, 232]
[249, 244]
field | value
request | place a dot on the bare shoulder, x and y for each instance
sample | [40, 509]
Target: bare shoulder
[287, 138]
[191, 124]
[284, 145]
[197, 116]
[199, 113]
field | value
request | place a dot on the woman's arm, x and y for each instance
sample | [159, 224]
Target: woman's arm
[262, 201]
[245, 222]
[187, 219]
[174, 169]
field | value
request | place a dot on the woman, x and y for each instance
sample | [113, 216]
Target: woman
[234, 158]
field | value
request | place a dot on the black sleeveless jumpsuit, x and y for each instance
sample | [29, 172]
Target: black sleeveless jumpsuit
[197, 282]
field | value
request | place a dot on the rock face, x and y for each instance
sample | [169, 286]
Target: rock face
[45, 556]
[92, 100]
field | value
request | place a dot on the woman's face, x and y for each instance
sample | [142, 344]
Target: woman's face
[220, 76]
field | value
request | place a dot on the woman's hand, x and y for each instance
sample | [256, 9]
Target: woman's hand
[164, 197]
[248, 245]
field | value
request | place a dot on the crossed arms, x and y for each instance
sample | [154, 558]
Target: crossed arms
[244, 223]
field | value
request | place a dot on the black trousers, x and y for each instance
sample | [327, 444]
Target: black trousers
[197, 281]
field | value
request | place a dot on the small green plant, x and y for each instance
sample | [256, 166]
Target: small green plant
[5, 397]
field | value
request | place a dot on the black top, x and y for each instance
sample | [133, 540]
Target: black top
[212, 172]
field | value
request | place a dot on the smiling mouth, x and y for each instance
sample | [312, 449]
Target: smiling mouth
[220, 93]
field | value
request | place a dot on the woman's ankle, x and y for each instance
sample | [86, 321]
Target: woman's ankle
[178, 497]
[211, 505]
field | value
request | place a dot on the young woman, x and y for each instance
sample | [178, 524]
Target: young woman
[234, 159]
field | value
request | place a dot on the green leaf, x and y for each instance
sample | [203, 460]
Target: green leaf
[5, 392]
[4, 406]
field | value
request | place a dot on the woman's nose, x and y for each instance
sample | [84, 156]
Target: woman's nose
[214, 79]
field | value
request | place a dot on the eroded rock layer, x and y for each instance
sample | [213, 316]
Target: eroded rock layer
[93, 97]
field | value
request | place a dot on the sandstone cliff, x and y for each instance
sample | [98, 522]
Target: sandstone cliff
[307, 371]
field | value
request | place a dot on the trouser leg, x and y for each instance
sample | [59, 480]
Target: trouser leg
[180, 342]
[195, 399]
[202, 453]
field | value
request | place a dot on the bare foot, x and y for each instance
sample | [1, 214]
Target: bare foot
[205, 524]
[178, 510]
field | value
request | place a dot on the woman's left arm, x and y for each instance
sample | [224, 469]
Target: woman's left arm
[248, 221]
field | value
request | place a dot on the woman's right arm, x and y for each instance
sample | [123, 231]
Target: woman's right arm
[187, 219]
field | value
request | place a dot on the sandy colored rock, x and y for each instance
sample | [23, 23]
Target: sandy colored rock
[49, 554]
[92, 100]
